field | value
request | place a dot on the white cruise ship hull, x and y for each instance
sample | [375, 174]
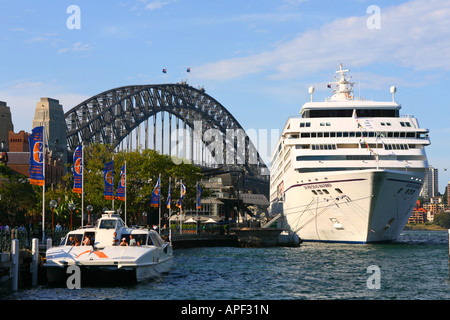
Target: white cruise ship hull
[360, 206]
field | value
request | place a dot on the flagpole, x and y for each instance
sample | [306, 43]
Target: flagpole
[44, 151]
[82, 182]
[159, 205]
[125, 192]
[170, 207]
[112, 209]
[196, 206]
[181, 207]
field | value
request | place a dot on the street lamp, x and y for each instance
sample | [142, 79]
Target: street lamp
[53, 205]
[89, 208]
[71, 208]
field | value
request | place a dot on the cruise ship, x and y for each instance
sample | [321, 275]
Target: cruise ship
[348, 169]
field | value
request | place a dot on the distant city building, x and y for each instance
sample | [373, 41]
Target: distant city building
[418, 215]
[6, 125]
[18, 142]
[430, 187]
[49, 113]
[448, 194]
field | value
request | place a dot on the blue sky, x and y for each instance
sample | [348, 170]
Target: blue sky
[256, 57]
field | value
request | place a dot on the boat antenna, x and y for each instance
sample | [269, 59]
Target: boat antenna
[393, 90]
[311, 92]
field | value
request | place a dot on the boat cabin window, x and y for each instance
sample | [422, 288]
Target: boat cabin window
[141, 239]
[74, 239]
[107, 224]
[155, 239]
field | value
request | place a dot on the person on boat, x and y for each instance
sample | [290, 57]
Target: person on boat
[77, 242]
[86, 241]
[132, 241]
[71, 241]
[115, 240]
[123, 243]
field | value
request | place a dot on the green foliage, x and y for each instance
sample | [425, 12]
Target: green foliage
[143, 170]
[18, 197]
[443, 220]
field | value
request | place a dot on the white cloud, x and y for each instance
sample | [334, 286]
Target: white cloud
[156, 5]
[414, 34]
[76, 47]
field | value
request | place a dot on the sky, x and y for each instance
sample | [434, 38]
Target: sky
[256, 57]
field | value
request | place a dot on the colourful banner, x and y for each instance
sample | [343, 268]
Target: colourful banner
[108, 175]
[169, 195]
[78, 170]
[36, 141]
[183, 193]
[122, 184]
[199, 195]
[154, 202]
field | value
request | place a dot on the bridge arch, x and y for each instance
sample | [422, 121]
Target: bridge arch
[111, 116]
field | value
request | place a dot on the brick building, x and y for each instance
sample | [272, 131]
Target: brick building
[18, 159]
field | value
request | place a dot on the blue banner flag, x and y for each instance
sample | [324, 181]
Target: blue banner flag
[199, 195]
[108, 175]
[169, 195]
[183, 193]
[78, 170]
[154, 202]
[122, 184]
[36, 142]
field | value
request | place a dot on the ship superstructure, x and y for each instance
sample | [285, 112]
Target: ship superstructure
[348, 169]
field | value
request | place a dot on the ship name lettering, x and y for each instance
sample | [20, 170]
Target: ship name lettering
[318, 186]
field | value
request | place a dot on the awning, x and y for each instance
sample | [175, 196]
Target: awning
[258, 199]
[211, 201]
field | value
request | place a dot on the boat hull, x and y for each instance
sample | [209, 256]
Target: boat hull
[111, 265]
[363, 206]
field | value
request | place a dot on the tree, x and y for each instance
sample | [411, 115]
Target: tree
[143, 170]
[443, 219]
[18, 197]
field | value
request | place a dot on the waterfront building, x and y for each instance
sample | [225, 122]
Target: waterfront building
[18, 142]
[434, 208]
[418, 215]
[19, 159]
[6, 125]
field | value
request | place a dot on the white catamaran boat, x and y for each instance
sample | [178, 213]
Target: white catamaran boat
[144, 256]
[348, 169]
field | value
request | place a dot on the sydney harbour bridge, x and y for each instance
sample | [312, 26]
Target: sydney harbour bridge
[209, 136]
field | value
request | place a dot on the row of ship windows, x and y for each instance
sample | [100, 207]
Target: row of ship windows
[324, 191]
[361, 157]
[328, 124]
[358, 134]
[407, 191]
[354, 146]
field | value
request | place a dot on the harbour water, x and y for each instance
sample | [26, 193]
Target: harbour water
[416, 267]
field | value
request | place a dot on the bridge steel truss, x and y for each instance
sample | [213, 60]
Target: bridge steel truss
[111, 116]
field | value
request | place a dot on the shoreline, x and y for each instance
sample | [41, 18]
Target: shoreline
[424, 227]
